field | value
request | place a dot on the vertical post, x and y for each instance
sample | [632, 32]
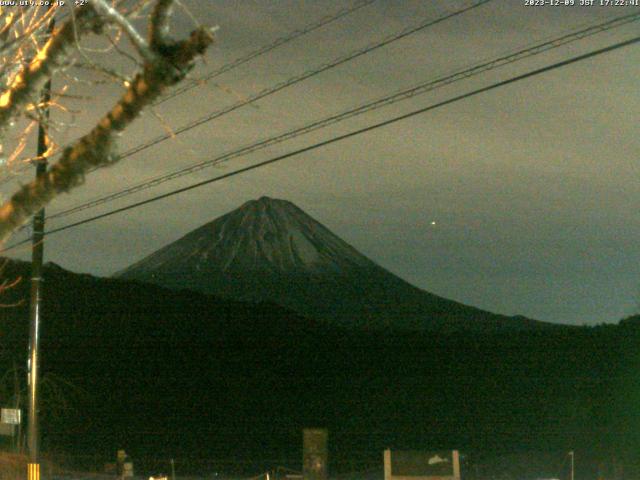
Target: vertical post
[387, 464]
[173, 469]
[16, 389]
[37, 255]
[455, 457]
[314, 453]
[572, 465]
[121, 457]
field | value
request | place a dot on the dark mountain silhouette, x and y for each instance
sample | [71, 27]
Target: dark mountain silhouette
[180, 374]
[270, 250]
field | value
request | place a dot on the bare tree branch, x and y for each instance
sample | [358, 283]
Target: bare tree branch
[170, 64]
[29, 80]
[113, 16]
[159, 24]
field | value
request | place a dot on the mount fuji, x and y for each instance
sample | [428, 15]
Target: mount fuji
[269, 250]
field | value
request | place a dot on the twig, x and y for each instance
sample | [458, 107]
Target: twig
[113, 16]
[95, 149]
[159, 24]
[31, 77]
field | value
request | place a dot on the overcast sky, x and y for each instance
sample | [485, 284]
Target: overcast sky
[533, 187]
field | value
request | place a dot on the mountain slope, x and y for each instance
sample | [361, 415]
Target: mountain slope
[269, 249]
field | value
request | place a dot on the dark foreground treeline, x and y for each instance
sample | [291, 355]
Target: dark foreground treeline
[176, 374]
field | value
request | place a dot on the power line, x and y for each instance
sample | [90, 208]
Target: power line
[297, 79]
[267, 48]
[326, 20]
[370, 106]
[353, 133]
[301, 77]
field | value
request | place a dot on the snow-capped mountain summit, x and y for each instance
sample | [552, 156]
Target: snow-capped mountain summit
[270, 250]
[265, 234]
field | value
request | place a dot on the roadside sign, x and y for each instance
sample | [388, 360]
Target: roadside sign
[10, 416]
[421, 465]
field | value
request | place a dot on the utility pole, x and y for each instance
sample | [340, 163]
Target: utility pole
[35, 308]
